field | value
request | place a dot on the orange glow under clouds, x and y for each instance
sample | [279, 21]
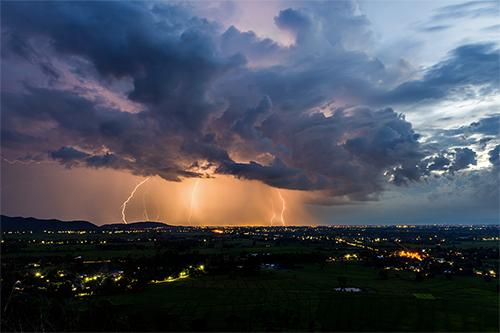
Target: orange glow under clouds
[215, 201]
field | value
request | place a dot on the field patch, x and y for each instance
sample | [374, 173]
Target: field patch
[305, 301]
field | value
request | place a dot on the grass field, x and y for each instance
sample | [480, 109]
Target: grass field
[301, 300]
[304, 300]
[88, 251]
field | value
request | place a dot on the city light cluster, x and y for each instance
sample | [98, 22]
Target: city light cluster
[408, 254]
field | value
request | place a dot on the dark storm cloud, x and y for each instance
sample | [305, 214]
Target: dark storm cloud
[302, 22]
[463, 158]
[107, 161]
[343, 25]
[172, 60]
[468, 65]
[381, 140]
[486, 126]
[278, 174]
[484, 141]
[71, 157]
[234, 41]
[479, 132]
[68, 153]
[209, 152]
[83, 123]
[13, 139]
[494, 155]
[439, 163]
[203, 109]
[452, 161]
[479, 186]
[245, 125]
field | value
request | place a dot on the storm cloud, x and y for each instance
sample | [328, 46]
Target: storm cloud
[469, 66]
[182, 97]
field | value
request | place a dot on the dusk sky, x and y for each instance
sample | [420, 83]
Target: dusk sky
[367, 112]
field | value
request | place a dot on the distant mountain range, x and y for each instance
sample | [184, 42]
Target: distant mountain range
[34, 224]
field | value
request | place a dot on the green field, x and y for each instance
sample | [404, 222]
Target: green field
[90, 251]
[304, 300]
[301, 299]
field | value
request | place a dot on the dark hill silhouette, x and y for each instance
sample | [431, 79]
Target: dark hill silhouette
[34, 224]
[136, 225]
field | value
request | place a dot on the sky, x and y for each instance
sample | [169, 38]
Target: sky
[251, 112]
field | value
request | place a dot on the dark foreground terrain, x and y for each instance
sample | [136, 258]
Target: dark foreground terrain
[305, 300]
[299, 279]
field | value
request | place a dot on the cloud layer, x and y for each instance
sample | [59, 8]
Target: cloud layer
[153, 89]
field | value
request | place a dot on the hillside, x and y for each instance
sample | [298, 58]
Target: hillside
[34, 224]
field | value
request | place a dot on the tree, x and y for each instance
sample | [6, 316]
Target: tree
[383, 275]
[343, 281]
[199, 325]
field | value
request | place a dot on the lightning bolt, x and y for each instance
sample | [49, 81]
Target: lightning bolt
[145, 216]
[157, 209]
[192, 201]
[21, 162]
[164, 191]
[274, 214]
[124, 205]
[145, 212]
[282, 210]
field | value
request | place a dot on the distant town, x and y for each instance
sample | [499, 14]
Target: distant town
[90, 262]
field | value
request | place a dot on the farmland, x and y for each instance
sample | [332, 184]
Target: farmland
[299, 279]
[304, 300]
